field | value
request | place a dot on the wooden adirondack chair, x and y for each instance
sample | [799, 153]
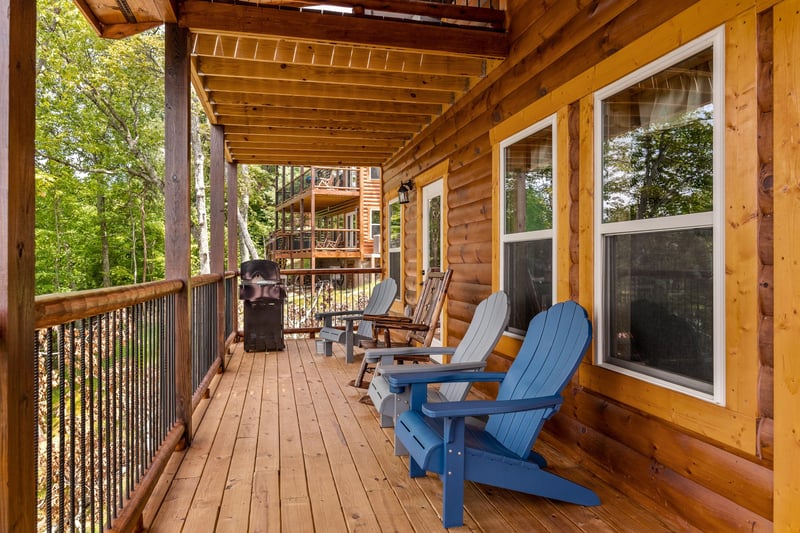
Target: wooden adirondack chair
[438, 439]
[485, 329]
[379, 302]
[421, 327]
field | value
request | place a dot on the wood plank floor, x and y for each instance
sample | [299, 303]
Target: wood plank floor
[284, 444]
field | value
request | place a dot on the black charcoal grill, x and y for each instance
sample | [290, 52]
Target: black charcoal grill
[263, 294]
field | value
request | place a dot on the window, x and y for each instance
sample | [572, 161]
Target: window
[527, 254]
[659, 235]
[374, 173]
[395, 242]
[375, 224]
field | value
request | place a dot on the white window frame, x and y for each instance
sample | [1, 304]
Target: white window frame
[528, 235]
[372, 224]
[713, 220]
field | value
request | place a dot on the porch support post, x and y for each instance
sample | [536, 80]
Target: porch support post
[218, 232]
[17, 394]
[786, 190]
[176, 202]
[232, 173]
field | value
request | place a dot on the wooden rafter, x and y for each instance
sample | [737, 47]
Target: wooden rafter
[283, 76]
[310, 102]
[331, 90]
[218, 18]
[336, 55]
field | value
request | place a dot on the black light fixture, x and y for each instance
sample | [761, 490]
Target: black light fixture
[402, 192]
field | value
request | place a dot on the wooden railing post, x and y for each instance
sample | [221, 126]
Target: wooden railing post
[232, 172]
[218, 233]
[17, 393]
[176, 203]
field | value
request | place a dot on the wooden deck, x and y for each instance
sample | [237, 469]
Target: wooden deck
[284, 444]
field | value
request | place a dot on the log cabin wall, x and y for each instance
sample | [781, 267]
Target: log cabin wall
[370, 199]
[710, 464]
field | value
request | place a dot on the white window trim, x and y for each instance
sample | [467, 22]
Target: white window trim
[372, 211]
[714, 220]
[528, 235]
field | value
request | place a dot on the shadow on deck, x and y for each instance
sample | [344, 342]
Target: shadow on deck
[284, 444]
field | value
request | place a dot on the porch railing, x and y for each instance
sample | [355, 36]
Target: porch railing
[106, 420]
[311, 291]
[325, 240]
[327, 179]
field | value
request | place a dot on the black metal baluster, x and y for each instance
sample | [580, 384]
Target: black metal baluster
[73, 479]
[62, 426]
[83, 426]
[92, 441]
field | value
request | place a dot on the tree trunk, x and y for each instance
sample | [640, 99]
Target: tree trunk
[144, 240]
[101, 215]
[249, 250]
[199, 167]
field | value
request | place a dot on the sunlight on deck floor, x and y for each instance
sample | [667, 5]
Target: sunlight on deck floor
[285, 445]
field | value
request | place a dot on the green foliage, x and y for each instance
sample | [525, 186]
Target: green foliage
[664, 170]
[99, 142]
[261, 214]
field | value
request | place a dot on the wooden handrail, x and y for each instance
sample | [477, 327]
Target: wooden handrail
[54, 309]
[317, 271]
[205, 279]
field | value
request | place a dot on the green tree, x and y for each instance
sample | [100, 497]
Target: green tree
[99, 158]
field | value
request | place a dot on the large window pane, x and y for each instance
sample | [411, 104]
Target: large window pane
[529, 183]
[660, 304]
[394, 225]
[658, 144]
[528, 280]
[394, 270]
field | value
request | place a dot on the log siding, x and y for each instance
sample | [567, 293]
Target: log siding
[631, 431]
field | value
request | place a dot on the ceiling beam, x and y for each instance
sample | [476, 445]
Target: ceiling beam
[310, 146]
[494, 17]
[325, 125]
[276, 50]
[341, 104]
[273, 141]
[280, 131]
[329, 90]
[306, 160]
[215, 17]
[235, 68]
[279, 113]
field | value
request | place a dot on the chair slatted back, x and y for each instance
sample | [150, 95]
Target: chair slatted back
[550, 354]
[429, 306]
[488, 323]
[379, 303]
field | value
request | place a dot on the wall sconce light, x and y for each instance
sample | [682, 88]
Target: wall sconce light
[402, 192]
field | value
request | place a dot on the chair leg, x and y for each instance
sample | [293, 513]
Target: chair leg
[361, 372]
[399, 448]
[349, 342]
[453, 475]
[414, 470]
[387, 421]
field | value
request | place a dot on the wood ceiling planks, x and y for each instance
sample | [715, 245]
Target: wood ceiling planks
[306, 87]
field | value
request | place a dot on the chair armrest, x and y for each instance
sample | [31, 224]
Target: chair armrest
[489, 407]
[397, 383]
[396, 370]
[373, 355]
[327, 314]
[387, 321]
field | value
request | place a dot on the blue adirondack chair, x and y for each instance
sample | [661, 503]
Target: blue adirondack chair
[439, 440]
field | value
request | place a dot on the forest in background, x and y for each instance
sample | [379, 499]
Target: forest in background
[100, 160]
